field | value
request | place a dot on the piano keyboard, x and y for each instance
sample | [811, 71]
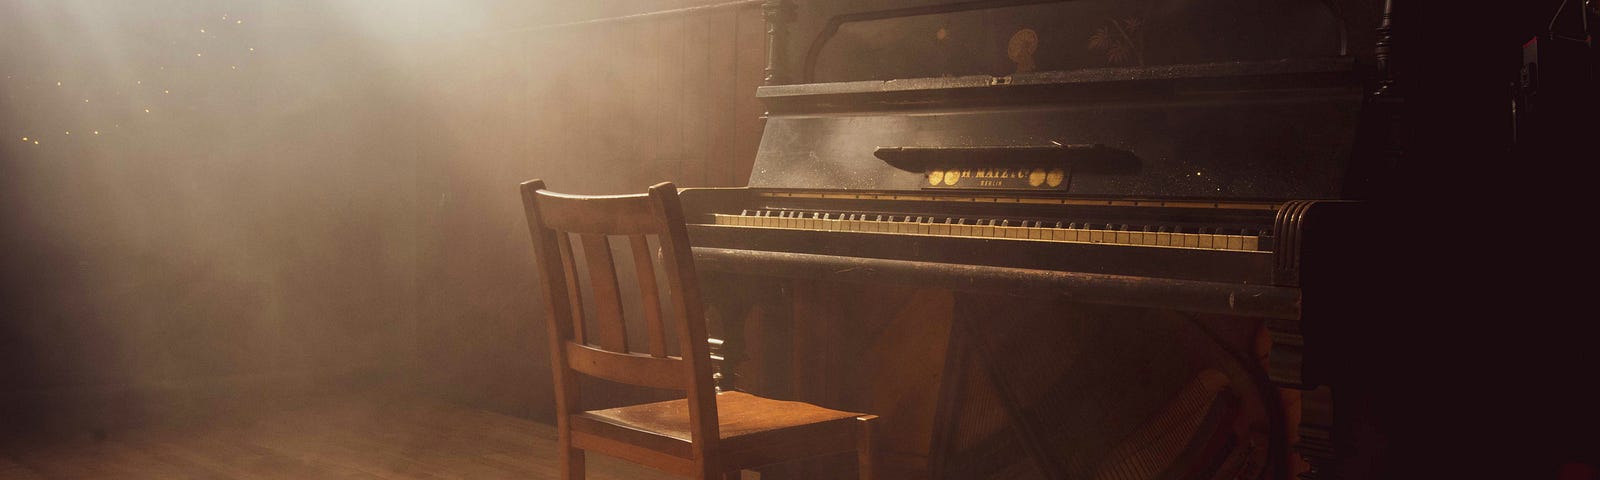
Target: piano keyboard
[988, 228]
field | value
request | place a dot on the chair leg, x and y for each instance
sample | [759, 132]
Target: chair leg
[572, 464]
[865, 451]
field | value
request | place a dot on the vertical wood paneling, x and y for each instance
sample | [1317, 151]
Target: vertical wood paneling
[694, 111]
[721, 71]
[748, 72]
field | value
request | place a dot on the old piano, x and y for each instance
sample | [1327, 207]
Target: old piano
[1088, 239]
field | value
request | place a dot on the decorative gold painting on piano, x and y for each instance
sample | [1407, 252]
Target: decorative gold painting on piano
[1100, 239]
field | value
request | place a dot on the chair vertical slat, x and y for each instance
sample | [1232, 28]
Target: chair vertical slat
[644, 269]
[569, 265]
[678, 263]
[609, 327]
[553, 220]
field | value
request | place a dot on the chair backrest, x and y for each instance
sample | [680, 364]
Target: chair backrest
[574, 233]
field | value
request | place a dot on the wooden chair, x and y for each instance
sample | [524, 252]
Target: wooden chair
[704, 436]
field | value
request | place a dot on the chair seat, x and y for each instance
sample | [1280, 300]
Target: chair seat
[738, 414]
[762, 430]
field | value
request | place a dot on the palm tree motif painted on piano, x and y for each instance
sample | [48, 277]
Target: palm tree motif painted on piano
[1121, 40]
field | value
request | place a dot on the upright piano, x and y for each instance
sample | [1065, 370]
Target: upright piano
[1044, 239]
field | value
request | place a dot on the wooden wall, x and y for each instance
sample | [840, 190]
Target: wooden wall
[609, 107]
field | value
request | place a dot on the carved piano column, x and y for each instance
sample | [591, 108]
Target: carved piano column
[777, 13]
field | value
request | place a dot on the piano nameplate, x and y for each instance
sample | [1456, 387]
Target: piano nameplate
[1022, 178]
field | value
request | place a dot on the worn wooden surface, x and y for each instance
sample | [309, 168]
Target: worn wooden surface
[707, 434]
[347, 437]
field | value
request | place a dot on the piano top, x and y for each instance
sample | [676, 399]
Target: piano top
[1238, 130]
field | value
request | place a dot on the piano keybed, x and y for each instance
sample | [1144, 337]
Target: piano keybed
[1171, 236]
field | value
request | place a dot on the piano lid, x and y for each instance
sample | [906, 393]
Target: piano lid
[1234, 126]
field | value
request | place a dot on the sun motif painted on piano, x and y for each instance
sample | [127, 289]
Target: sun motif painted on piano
[1036, 177]
[1055, 177]
[934, 177]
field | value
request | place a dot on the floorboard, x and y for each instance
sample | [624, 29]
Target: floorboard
[355, 438]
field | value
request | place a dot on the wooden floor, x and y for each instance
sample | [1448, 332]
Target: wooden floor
[336, 438]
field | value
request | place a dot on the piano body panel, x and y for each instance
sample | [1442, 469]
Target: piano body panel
[967, 383]
[1016, 348]
[1255, 291]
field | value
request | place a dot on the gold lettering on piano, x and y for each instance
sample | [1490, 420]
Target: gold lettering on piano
[1008, 178]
